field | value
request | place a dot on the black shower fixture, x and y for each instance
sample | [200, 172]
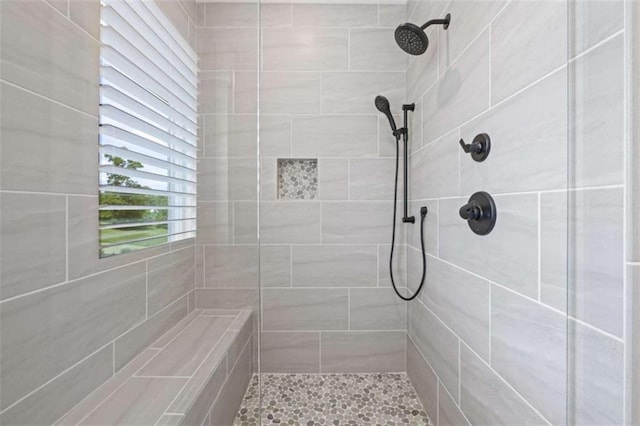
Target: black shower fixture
[480, 213]
[382, 104]
[479, 148]
[412, 38]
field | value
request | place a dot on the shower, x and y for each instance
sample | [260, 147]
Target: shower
[382, 104]
[412, 38]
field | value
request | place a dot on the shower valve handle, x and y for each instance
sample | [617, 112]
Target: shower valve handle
[480, 213]
[470, 147]
[470, 212]
[479, 148]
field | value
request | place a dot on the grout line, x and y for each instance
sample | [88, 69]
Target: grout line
[66, 236]
[539, 247]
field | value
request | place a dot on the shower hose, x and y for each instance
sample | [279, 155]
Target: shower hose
[423, 213]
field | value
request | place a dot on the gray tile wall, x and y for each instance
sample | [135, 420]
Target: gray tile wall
[326, 300]
[512, 324]
[68, 319]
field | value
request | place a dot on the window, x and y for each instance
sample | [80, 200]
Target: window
[148, 127]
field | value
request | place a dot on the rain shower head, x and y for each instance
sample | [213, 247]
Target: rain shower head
[383, 106]
[412, 38]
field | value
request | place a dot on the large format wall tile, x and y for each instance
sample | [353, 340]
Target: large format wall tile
[275, 266]
[597, 129]
[519, 54]
[216, 92]
[355, 92]
[362, 351]
[290, 222]
[423, 378]
[32, 242]
[290, 352]
[356, 222]
[461, 92]
[46, 147]
[435, 169]
[336, 15]
[509, 255]
[528, 349]
[535, 118]
[449, 413]
[231, 15]
[305, 309]
[335, 136]
[437, 343]
[460, 300]
[222, 49]
[215, 222]
[341, 266]
[226, 298]
[289, 92]
[231, 266]
[44, 52]
[169, 277]
[333, 178]
[376, 309]
[422, 71]
[288, 49]
[230, 135]
[486, 399]
[590, 22]
[376, 50]
[221, 179]
[371, 179]
[275, 135]
[46, 332]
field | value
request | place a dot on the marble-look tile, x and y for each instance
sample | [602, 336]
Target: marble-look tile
[422, 71]
[354, 92]
[371, 179]
[590, 22]
[54, 399]
[387, 142]
[44, 145]
[46, 53]
[376, 50]
[335, 136]
[226, 405]
[399, 265]
[142, 400]
[462, 301]
[231, 266]
[61, 5]
[437, 343]
[335, 15]
[290, 222]
[275, 15]
[275, 136]
[167, 337]
[183, 355]
[376, 309]
[221, 179]
[230, 135]
[468, 20]
[596, 93]
[333, 178]
[430, 231]
[528, 349]
[287, 49]
[87, 405]
[215, 222]
[362, 351]
[554, 237]
[460, 93]
[275, 266]
[169, 277]
[435, 168]
[223, 298]
[449, 413]
[245, 92]
[486, 399]
[305, 309]
[269, 178]
[508, 255]
[290, 352]
[137, 339]
[519, 55]
[221, 49]
[536, 117]
[290, 92]
[356, 222]
[191, 301]
[170, 420]
[423, 378]
[245, 222]
[216, 92]
[596, 377]
[391, 15]
[38, 342]
[86, 13]
[176, 14]
[341, 266]
[231, 15]
[32, 242]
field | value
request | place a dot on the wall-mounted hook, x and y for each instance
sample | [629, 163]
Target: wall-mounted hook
[479, 148]
[480, 213]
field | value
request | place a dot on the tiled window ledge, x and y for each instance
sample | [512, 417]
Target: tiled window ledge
[180, 378]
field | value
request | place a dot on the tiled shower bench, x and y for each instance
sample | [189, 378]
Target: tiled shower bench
[195, 373]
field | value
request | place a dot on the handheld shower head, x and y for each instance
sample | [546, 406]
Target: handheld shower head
[382, 104]
[412, 38]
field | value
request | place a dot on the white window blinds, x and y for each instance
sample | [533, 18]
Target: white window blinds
[148, 128]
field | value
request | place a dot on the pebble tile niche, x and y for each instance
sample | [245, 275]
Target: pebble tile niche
[297, 179]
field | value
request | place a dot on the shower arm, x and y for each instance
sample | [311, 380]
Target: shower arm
[435, 22]
[405, 139]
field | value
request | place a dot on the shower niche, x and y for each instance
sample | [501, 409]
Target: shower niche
[297, 178]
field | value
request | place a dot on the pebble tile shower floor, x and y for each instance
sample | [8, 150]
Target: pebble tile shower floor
[332, 399]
